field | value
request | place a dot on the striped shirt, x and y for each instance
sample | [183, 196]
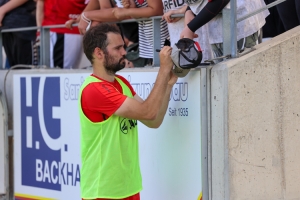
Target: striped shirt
[146, 33]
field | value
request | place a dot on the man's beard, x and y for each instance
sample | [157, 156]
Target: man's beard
[111, 66]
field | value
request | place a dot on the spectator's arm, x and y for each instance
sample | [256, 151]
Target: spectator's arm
[210, 10]
[169, 19]
[39, 12]
[154, 8]
[92, 5]
[103, 15]
[10, 5]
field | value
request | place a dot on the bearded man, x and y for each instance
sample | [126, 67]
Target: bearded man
[109, 151]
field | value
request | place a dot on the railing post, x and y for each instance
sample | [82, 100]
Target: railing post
[226, 31]
[233, 26]
[156, 40]
[45, 47]
[229, 30]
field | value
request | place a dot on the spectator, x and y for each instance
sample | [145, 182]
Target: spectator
[18, 45]
[141, 9]
[109, 151]
[65, 44]
[207, 12]
[273, 26]
[176, 25]
[289, 12]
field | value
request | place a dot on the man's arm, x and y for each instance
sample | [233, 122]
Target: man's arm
[10, 5]
[161, 114]
[151, 108]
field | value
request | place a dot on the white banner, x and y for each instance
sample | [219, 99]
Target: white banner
[47, 138]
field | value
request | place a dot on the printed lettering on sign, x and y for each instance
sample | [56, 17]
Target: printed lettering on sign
[172, 4]
[41, 144]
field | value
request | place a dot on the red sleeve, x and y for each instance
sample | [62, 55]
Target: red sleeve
[127, 83]
[99, 100]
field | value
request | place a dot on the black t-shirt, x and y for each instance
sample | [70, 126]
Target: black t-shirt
[22, 16]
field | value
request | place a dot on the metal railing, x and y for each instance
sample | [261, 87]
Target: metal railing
[45, 39]
[230, 20]
[229, 33]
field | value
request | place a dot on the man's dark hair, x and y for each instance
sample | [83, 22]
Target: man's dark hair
[97, 37]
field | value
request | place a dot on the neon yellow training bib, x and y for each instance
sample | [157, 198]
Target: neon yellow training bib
[109, 154]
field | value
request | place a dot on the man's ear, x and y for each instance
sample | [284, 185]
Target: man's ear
[98, 53]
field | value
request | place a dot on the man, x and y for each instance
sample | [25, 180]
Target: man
[109, 110]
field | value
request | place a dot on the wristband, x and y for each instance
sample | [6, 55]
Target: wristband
[84, 18]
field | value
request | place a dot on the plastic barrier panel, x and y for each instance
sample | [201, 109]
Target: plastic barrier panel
[47, 138]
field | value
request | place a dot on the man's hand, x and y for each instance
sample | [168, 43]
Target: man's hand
[187, 33]
[165, 58]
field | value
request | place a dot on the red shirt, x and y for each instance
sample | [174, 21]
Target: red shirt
[99, 100]
[60, 11]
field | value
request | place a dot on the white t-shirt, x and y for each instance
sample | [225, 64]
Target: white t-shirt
[146, 33]
[176, 28]
[244, 28]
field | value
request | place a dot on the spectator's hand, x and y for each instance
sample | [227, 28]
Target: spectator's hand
[165, 58]
[82, 25]
[69, 23]
[128, 64]
[126, 3]
[120, 13]
[168, 18]
[187, 33]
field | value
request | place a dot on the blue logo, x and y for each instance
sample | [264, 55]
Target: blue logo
[41, 145]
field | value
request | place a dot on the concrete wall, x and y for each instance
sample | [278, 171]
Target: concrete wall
[255, 120]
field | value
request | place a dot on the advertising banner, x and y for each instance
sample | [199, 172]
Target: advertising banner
[47, 138]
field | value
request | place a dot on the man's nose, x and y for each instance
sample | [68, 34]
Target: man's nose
[123, 51]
